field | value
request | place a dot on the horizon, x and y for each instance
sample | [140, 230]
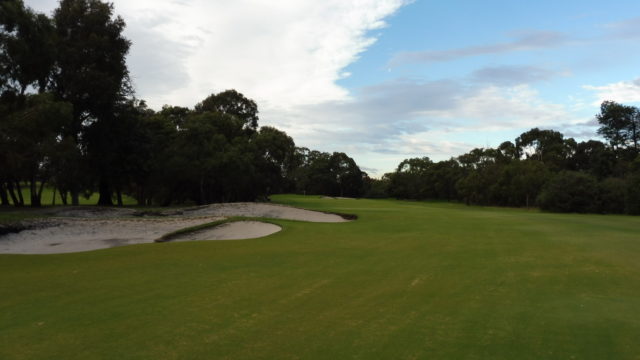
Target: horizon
[388, 80]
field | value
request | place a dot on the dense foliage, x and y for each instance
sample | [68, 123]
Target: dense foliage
[69, 120]
[541, 168]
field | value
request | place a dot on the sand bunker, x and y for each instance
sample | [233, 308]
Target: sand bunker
[54, 236]
[268, 211]
[233, 231]
[76, 229]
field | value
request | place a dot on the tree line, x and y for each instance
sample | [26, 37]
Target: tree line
[70, 121]
[540, 168]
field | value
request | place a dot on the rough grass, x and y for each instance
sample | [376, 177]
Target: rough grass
[407, 280]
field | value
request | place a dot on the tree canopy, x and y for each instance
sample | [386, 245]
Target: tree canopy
[542, 168]
[69, 120]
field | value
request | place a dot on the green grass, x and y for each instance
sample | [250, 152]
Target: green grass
[407, 280]
[48, 194]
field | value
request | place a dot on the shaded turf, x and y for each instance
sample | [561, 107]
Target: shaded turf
[406, 280]
[48, 199]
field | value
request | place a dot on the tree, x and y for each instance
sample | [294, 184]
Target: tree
[10, 159]
[194, 159]
[570, 191]
[346, 175]
[27, 42]
[177, 115]
[318, 174]
[91, 74]
[612, 195]
[548, 146]
[31, 141]
[632, 195]
[377, 188]
[593, 157]
[408, 181]
[275, 151]
[528, 178]
[443, 177]
[233, 103]
[620, 124]
[508, 151]
[152, 136]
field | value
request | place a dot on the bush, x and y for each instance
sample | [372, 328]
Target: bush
[632, 195]
[612, 196]
[570, 191]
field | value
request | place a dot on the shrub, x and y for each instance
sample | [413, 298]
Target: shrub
[570, 191]
[612, 196]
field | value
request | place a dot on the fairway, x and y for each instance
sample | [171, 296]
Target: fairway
[406, 280]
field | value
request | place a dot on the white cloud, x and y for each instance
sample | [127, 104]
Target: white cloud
[287, 55]
[511, 75]
[525, 41]
[280, 53]
[623, 92]
[386, 123]
[495, 108]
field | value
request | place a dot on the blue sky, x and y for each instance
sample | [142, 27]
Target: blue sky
[385, 80]
[550, 53]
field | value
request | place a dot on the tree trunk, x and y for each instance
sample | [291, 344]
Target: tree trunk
[75, 197]
[119, 197]
[40, 191]
[140, 198]
[201, 197]
[63, 197]
[53, 199]
[35, 199]
[19, 191]
[14, 198]
[4, 198]
[634, 134]
[105, 193]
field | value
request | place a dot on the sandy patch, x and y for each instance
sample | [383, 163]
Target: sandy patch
[54, 236]
[268, 211]
[233, 231]
[85, 228]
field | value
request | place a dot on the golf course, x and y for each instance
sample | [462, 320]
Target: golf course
[405, 280]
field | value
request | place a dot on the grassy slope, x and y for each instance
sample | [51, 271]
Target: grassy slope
[406, 280]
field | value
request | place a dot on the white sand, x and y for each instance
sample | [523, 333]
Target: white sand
[78, 229]
[233, 231]
[54, 236]
[267, 211]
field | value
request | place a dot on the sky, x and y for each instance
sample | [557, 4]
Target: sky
[387, 80]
